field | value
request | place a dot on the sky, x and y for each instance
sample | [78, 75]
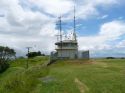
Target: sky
[100, 25]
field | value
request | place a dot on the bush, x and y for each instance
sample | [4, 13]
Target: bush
[3, 66]
[110, 57]
[6, 54]
[34, 54]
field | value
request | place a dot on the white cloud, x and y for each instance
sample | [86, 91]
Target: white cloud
[55, 7]
[89, 8]
[109, 32]
[121, 44]
[20, 28]
[103, 17]
[113, 30]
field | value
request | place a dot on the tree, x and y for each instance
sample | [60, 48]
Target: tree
[110, 57]
[34, 54]
[6, 54]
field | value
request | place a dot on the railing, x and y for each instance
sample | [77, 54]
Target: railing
[66, 47]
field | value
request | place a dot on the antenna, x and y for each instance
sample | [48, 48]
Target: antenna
[74, 17]
[60, 27]
[60, 33]
[59, 23]
[74, 33]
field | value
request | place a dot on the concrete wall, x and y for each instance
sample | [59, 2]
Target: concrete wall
[70, 54]
[67, 54]
[83, 55]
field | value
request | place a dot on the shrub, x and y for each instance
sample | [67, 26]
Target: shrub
[6, 54]
[34, 54]
[110, 57]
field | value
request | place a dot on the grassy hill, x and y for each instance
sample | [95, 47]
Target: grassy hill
[18, 79]
[67, 76]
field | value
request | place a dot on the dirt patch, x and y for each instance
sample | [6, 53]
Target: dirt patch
[79, 62]
[102, 64]
[82, 87]
[47, 79]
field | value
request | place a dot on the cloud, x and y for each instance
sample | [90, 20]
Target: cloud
[84, 8]
[121, 44]
[55, 7]
[103, 17]
[113, 30]
[109, 32]
[21, 26]
[90, 8]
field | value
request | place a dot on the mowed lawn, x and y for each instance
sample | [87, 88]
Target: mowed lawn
[67, 76]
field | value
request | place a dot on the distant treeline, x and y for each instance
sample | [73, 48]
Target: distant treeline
[115, 57]
[34, 54]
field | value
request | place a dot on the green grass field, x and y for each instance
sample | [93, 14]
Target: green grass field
[68, 76]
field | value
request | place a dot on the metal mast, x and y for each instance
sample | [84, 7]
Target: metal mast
[59, 25]
[74, 33]
[60, 29]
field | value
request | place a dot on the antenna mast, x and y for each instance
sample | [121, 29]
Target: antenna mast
[60, 33]
[60, 27]
[74, 18]
[74, 33]
[59, 24]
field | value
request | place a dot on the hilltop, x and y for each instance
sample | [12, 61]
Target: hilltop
[64, 76]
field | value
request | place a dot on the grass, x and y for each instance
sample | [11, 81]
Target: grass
[18, 79]
[67, 76]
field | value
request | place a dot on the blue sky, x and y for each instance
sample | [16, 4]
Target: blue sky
[100, 25]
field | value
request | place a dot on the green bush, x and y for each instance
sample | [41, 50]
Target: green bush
[6, 54]
[3, 66]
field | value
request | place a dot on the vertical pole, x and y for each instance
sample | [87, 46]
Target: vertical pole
[27, 63]
[74, 20]
[74, 33]
[75, 37]
[60, 25]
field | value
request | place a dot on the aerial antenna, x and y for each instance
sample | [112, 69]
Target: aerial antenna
[60, 27]
[74, 32]
[59, 23]
[74, 17]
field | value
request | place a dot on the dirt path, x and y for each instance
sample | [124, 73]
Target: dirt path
[82, 87]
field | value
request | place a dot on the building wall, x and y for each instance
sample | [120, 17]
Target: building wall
[67, 54]
[83, 55]
[70, 54]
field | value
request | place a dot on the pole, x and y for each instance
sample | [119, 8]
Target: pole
[27, 63]
[60, 24]
[74, 20]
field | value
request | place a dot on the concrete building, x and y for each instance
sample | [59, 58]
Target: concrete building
[67, 49]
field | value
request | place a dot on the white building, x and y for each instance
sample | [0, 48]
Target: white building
[68, 49]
